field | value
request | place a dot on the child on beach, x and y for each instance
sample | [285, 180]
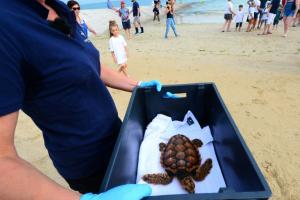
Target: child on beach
[118, 47]
[250, 18]
[239, 18]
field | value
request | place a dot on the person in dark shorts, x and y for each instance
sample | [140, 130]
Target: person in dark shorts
[228, 16]
[124, 14]
[156, 10]
[239, 18]
[136, 12]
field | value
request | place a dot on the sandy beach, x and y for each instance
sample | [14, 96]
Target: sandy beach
[257, 76]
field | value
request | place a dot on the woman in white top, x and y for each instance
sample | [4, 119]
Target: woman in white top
[228, 16]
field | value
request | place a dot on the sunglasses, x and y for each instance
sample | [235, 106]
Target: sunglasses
[76, 8]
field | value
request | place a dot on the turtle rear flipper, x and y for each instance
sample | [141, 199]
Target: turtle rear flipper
[203, 170]
[162, 178]
[188, 184]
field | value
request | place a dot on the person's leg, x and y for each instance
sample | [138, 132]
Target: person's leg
[167, 27]
[174, 27]
[249, 26]
[228, 25]
[224, 26]
[236, 26]
[92, 182]
[240, 26]
[287, 22]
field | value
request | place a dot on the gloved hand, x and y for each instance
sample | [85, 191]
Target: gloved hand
[151, 83]
[123, 192]
[170, 95]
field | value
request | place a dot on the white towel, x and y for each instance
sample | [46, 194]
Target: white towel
[161, 129]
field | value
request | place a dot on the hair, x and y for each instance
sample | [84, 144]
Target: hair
[112, 23]
[71, 3]
[240, 6]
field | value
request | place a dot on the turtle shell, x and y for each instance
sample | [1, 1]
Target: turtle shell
[180, 155]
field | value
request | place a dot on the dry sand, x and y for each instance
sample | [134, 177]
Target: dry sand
[257, 76]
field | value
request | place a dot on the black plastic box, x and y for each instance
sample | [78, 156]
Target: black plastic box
[243, 178]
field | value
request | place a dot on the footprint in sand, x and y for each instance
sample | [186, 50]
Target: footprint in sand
[259, 101]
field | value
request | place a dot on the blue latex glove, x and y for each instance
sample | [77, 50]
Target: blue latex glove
[171, 95]
[123, 192]
[151, 83]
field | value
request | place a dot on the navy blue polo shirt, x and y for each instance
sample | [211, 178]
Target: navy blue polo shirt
[135, 7]
[55, 79]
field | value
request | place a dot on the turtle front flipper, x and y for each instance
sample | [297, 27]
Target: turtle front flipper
[162, 178]
[188, 184]
[203, 170]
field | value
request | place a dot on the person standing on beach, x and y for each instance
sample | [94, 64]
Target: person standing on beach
[265, 14]
[260, 10]
[136, 11]
[228, 16]
[239, 18]
[118, 47]
[170, 19]
[74, 6]
[256, 12]
[290, 12]
[124, 14]
[250, 17]
[156, 10]
[272, 14]
[51, 72]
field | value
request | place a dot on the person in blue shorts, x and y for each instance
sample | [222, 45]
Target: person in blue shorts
[53, 73]
[290, 10]
[124, 14]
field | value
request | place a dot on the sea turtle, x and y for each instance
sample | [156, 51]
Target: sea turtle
[180, 158]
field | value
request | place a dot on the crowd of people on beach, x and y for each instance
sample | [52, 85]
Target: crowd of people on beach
[262, 14]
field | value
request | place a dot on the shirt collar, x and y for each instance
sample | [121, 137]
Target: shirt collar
[57, 5]
[43, 12]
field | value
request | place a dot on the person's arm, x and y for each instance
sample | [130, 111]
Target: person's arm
[114, 57]
[91, 29]
[167, 10]
[19, 180]
[115, 80]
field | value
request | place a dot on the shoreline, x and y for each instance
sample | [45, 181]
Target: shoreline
[99, 18]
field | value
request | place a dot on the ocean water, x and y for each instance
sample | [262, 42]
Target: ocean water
[197, 11]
